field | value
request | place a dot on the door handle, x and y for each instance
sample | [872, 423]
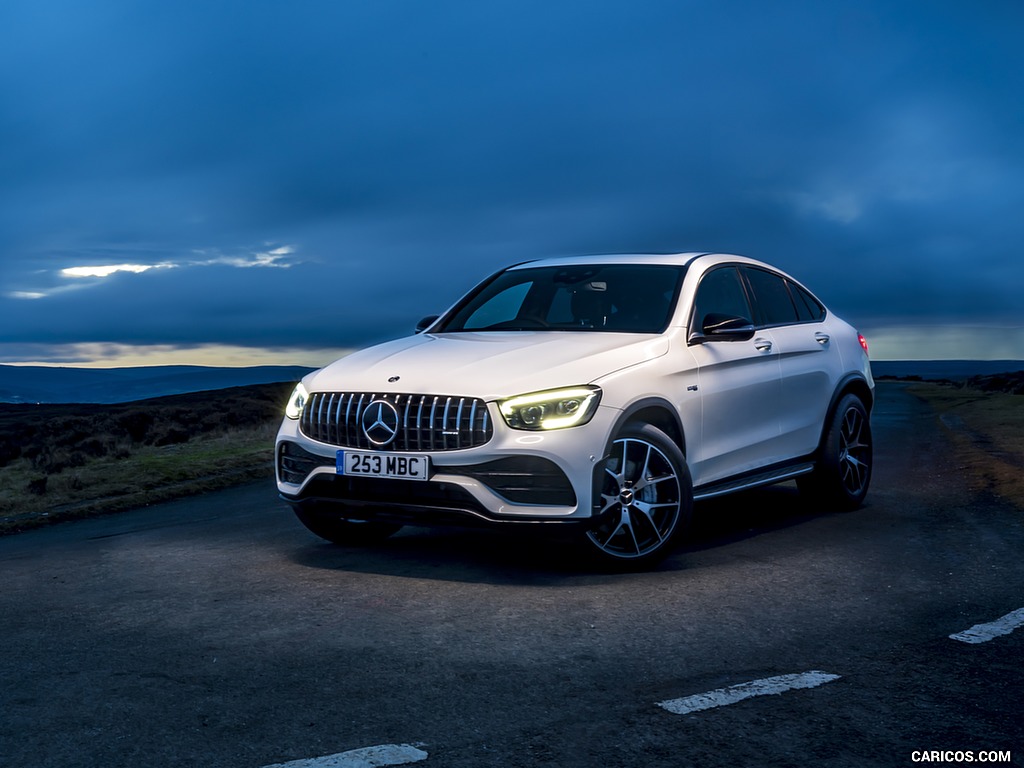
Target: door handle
[763, 345]
[822, 338]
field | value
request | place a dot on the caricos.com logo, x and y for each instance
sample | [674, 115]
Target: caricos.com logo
[960, 756]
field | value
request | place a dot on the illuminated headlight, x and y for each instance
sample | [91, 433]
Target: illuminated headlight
[554, 409]
[296, 402]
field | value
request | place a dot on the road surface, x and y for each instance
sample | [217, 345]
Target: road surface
[215, 631]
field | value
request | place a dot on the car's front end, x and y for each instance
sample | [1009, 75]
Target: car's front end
[455, 457]
[497, 448]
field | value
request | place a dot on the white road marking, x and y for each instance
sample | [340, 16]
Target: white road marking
[982, 633]
[766, 687]
[368, 757]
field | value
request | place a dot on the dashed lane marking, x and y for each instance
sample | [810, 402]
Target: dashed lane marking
[768, 686]
[982, 633]
[368, 757]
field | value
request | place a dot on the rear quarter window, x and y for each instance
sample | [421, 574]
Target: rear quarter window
[774, 305]
[808, 308]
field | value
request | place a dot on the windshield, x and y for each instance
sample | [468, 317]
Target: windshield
[626, 298]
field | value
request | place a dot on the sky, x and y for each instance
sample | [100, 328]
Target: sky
[232, 183]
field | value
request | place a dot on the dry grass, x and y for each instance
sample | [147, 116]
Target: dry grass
[987, 430]
[64, 462]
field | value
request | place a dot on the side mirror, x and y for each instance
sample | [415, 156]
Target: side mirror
[426, 322]
[719, 327]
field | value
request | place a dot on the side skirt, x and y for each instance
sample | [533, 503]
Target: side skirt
[753, 480]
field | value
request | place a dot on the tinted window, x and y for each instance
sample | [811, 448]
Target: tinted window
[807, 307]
[774, 305]
[721, 292]
[632, 298]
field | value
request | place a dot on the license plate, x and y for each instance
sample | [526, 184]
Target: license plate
[396, 466]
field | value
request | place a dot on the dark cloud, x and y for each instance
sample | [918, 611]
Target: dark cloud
[406, 149]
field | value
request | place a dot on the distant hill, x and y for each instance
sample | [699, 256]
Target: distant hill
[952, 370]
[41, 384]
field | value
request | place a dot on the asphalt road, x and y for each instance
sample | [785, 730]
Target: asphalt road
[216, 631]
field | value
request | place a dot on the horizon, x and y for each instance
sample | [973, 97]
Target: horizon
[955, 345]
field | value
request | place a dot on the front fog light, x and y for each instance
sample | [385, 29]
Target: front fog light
[296, 402]
[551, 410]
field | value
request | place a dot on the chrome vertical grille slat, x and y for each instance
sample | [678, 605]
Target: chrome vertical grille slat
[348, 421]
[332, 423]
[425, 422]
[444, 423]
[433, 430]
[419, 424]
[458, 424]
[337, 417]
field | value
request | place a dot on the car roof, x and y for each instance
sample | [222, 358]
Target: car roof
[671, 259]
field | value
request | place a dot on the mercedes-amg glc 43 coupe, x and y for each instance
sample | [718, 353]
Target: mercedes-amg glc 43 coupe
[598, 394]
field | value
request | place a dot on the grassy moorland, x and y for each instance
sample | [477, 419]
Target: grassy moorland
[984, 418]
[64, 461]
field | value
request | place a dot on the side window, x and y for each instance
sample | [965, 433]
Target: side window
[807, 307]
[774, 305]
[720, 291]
[500, 308]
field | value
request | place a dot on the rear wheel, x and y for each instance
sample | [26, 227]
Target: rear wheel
[843, 472]
[646, 499]
[330, 525]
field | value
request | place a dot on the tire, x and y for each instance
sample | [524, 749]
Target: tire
[646, 500]
[843, 472]
[339, 530]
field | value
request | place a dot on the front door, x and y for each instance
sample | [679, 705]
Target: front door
[739, 386]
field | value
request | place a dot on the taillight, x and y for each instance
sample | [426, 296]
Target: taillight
[863, 342]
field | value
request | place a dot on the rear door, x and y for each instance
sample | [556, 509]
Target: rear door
[807, 359]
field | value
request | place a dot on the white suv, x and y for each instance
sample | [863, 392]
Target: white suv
[602, 392]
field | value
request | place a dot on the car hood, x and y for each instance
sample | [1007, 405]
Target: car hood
[486, 365]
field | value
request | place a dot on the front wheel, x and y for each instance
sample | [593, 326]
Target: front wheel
[843, 470]
[339, 530]
[646, 499]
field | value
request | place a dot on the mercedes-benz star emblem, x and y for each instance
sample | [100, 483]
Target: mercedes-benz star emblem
[380, 422]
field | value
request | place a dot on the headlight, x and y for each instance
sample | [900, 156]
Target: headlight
[296, 402]
[554, 409]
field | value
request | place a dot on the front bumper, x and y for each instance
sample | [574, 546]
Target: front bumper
[516, 477]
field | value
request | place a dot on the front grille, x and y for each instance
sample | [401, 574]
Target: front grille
[425, 422]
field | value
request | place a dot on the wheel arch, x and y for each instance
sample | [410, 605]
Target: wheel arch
[852, 384]
[655, 411]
